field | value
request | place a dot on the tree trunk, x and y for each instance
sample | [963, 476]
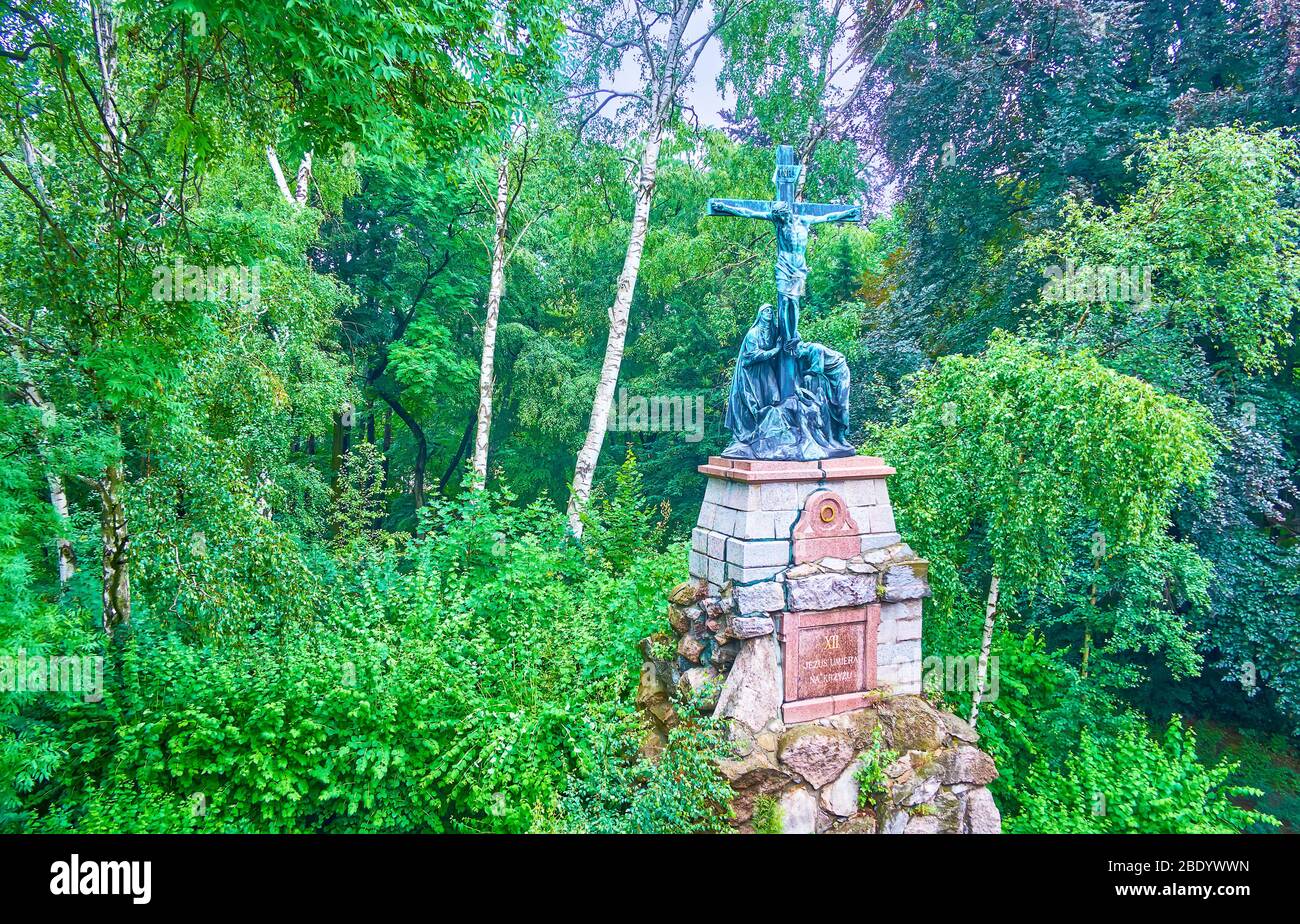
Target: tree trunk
[1087, 650]
[32, 395]
[589, 455]
[59, 500]
[336, 447]
[303, 181]
[114, 537]
[298, 195]
[456, 457]
[105, 31]
[388, 445]
[34, 169]
[116, 542]
[276, 170]
[58, 496]
[982, 671]
[421, 447]
[486, 374]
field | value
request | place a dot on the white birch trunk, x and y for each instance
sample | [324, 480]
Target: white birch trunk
[303, 182]
[34, 169]
[101, 21]
[59, 501]
[589, 455]
[487, 366]
[672, 71]
[114, 535]
[982, 671]
[58, 496]
[280, 181]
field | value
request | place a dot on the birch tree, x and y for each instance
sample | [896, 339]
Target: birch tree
[1009, 456]
[496, 286]
[661, 42]
[110, 486]
[31, 393]
[518, 154]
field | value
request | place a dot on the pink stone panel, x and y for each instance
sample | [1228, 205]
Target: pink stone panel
[814, 689]
[847, 702]
[830, 660]
[873, 636]
[830, 653]
[817, 548]
[856, 466]
[826, 529]
[808, 710]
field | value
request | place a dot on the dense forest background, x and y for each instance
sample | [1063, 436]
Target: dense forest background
[348, 570]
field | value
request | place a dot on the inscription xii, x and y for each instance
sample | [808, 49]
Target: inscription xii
[830, 660]
[830, 652]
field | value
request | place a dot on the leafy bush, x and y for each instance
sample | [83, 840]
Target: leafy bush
[1266, 763]
[464, 682]
[1132, 783]
[679, 792]
[870, 772]
[767, 816]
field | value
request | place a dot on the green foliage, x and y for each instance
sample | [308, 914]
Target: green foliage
[1027, 442]
[1210, 224]
[1265, 763]
[1042, 705]
[329, 635]
[680, 791]
[1060, 476]
[873, 783]
[1131, 783]
[767, 816]
[625, 529]
[360, 504]
[133, 808]
[409, 74]
[1023, 461]
[463, 685]
[773, 53]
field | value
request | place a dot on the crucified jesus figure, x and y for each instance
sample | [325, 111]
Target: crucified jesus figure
[791, 255]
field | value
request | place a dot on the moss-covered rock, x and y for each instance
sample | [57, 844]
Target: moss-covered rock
[912, 724]
[861, 823]
[817, 753]
[686, 593]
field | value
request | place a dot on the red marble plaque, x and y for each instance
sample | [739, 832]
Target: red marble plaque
[830, 653]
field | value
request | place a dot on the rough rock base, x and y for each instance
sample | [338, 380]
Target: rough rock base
[807, 777]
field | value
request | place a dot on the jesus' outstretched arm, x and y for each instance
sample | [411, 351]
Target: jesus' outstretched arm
[735, 209]
[852, 213]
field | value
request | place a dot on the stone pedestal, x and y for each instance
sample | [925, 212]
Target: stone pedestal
[752, 511]
[811, 549]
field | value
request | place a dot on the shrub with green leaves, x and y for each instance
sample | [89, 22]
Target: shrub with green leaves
[465, 682]
[1131, 783]
[679, 791]
[767, 816]
[870, 771]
